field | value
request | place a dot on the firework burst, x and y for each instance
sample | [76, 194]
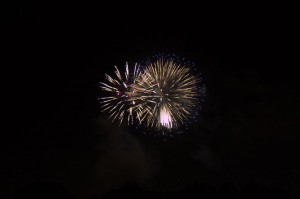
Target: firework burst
[169, 93]
[122, 100]
[163, 95]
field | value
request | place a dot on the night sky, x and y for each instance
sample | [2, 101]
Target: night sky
[56, 55]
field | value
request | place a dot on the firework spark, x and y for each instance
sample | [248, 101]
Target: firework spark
[163, 95]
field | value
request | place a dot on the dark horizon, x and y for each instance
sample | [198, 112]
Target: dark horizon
[246, 135]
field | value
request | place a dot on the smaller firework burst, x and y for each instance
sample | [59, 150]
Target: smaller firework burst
[122, 99]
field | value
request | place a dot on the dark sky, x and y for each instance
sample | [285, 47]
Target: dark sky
[56, 54]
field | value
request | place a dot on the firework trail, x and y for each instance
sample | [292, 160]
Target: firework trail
[163, 95]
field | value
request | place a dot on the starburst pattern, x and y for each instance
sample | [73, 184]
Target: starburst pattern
[163, 95]
[121, 102]
[169, 93]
